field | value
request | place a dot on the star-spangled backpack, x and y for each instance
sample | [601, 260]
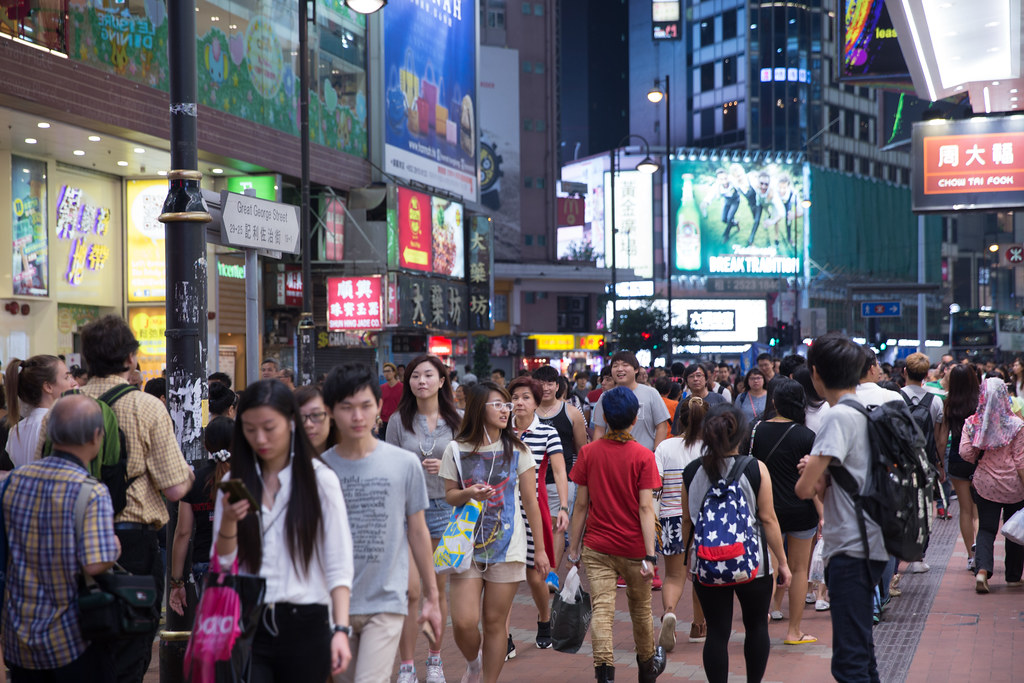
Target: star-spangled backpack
[727, 532]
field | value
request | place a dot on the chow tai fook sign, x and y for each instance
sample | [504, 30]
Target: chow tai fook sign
[972, 164]
[353, 303]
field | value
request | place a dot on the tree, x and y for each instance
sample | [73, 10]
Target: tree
[648, 328]
[582, 250]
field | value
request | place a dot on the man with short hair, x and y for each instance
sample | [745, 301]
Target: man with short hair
[791, 364]
[580, 387]
[722, 382]
[287, 376]
[469, 379]
[915, 372]
[222, 401]
[156, 469]
[386, 495]
[41, 636]
[498, 377]
[651, 427]
[221, 378]
[836, 365]
[766, 364]
[604, 383]
[269, 369]
[157, 387]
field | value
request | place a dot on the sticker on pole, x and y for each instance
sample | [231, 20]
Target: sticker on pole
[254, 223]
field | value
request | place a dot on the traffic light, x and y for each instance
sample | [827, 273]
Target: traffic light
[775, 336]
[646, 336]
[786, 334]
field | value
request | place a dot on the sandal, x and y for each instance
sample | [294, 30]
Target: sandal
[804, 639]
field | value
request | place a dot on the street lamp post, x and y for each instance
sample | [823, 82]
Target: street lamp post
[654, 96]
[306, 337]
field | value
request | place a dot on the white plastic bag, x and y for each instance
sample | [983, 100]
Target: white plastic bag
[1013, 528]
[571, 586]
[817, 569]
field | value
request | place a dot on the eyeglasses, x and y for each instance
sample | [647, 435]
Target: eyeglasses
[315, 418]
[498, 405]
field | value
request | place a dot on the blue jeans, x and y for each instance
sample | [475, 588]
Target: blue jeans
[851, 583]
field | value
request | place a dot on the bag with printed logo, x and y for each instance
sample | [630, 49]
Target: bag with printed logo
[220, 648]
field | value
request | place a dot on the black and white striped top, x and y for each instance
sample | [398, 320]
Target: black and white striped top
[543, 442]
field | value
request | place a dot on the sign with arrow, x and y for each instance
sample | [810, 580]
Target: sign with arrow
[254, 223]
[880, 309]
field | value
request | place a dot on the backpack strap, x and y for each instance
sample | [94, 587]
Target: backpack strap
[111, 396]
[81, 503]
[845, 480]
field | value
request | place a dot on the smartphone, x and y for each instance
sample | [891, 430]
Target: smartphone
[237, 490]
[643, 563]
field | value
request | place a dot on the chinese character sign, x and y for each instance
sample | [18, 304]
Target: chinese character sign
[414, 230]
[481, 274]
[82, 224]
[354, 303]
[29, 240]
[147, 275]
[634, 221]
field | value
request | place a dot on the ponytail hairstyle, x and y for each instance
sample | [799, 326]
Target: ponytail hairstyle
[25, 380]
[724, 427]
[691, 419]
[217, 439]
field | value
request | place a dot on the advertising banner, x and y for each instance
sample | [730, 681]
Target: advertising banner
[147, 275]
[969, 164]
[149, 324]
[433, 303]
[570, 210]
[414, 239]
[353, 303]
[870, 47]
[737, 219]
[332, 245]
[634, 221]
[430, 134]
[586, 242]
[499, 145]
[31, 254]
[262, 186]
[426, 233]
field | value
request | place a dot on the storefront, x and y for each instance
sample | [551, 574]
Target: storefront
[568, 353]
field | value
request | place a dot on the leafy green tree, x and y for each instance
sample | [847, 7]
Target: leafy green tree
[648, 328]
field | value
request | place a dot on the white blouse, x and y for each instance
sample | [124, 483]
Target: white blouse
[331, 565]
[24, 437]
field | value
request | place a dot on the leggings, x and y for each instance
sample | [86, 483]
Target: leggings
[755, 598]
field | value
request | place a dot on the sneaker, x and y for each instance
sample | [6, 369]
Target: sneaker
[776, 615]
[667, 639]
[474, 671]
[970, 564]
[407, 674]
[941, 513]
[821, 606]
[552, 582]
[809, 598]
[698, 632]
[511, 652]
[544, 635]
[620, 582]
[918, 567]
[1014, 584]
[953, 496]
[435, 670]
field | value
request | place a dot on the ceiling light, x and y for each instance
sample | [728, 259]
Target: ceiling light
[217, 170]
[214, 18]
[232, 26]
[94, 138]
[161, 172]
[992, 49]
[122, 163]
[951, 34]
[992, 24]
[140, 150]
[995, 82]
[30, 141]
[79, 152]
[1013, 99]
[988, 101]
[43, 124]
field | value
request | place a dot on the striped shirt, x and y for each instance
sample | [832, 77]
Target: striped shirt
[40, 619]
[543, 442]
[672, 456]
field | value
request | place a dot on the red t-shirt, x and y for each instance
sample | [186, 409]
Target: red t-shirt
[594, 395]
[389, 396]
[614, 473]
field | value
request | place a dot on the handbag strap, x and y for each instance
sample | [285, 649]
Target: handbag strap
[779, 442]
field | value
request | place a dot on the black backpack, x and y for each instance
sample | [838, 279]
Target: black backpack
[922, 414]
[898, 495]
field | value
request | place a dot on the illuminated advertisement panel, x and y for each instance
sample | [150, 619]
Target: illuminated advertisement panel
[30, 246]
[634, 221]
[353, 303]
[870, 49]
[586, 242]
[147, 274]
[743, 219]
[426, 233]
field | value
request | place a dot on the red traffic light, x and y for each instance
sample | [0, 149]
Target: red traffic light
[645, 335]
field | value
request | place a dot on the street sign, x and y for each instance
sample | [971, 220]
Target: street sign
[253, 223]
[880, 309]
[1015, 255]
[571, 187]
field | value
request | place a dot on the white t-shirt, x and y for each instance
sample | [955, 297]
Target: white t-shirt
[652, 413]
[672, 456]
[24, 437]
[814, 416]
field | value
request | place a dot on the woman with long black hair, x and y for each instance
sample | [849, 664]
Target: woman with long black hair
[961, 402]
[299, 540]
[487, 462]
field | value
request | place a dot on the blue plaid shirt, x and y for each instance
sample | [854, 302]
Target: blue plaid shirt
[40, 619]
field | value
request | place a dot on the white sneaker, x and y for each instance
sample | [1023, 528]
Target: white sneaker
[918, 567]
[474, 671]
[407, 676]
[809, 598]
[435, 672]
[821, 605]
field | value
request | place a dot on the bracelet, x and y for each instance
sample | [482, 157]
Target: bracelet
[177, 583]
[223, 535]
[573, 560]
[653, 559]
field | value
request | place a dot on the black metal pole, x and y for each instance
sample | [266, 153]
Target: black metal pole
[613, 323]
[306, 337]
[184, 216]
[668, 204]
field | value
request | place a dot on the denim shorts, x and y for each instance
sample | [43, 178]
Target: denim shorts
[438, 514]
[803, 534]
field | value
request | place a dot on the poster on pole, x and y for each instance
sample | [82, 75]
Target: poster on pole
[30, 261]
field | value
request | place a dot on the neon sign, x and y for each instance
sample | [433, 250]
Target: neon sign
[80, 223]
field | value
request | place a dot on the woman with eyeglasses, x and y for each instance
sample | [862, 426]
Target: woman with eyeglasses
[315, 419]
[424, 424]
[487, 462]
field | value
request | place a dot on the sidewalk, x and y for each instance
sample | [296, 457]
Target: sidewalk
[938, 630]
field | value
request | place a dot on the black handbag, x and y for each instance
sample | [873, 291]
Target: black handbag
[115, 604]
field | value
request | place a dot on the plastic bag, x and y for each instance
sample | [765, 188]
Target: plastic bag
[817, 569]
[1013, 528]
[570, 617]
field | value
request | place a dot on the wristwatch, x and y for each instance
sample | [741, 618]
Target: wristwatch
[338, 628]
[563, 508]
[653, 559]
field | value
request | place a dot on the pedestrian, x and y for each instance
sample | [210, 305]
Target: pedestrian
[695, 377]
[498, 377]
[915, 372]
[993, 439]
[391, 394]
[298, 541]
[385, 496]
[961, 402]
[488, 463]
[545, 445]
[580, 387]
[766, 364]
[816, 406]
[672, 457]
[780, 443]
[615, 477]
[316, 419]
[195, 513]
[604, 383]
[156, 470]
[836, 365]
[222, 400]
[32, 387]
[220, 378]
[424, 424]
[722, 384]
[270, 368]
[664, 385]
[41, 637]
[651, 426]
[753, 400]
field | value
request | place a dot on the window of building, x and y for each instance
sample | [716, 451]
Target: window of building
[707, 77]
[529, 297]
[893, 174]
[880, 171]
[539, 183]
[527, 124]
[848, 163]
[538, 67]
[833, 160]
[542, 240]
[904, 176]
[865, 128]
[728, 71]
[528, 241]
[865, 167]
[707, 123]
[848, 124]
[496, 18]
[501, 308]
[527, 182]
[707, 32]
[538, 10]
[729, 25]
[730, 118]
[539, 125]
[834, 119]
[527, 67]
[527, 8]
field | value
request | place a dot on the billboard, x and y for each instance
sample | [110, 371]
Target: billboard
[870, 49]
[634, 221]
[968, 164]
[262, 186]
[147, 275]
[430, 134]
[666, 20]
[499, 146]
[426, 233]
[743, 219]
[585, 242]
[353, 303]
[30, 245]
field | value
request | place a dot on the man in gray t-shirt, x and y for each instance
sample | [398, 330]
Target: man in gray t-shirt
[651, 426]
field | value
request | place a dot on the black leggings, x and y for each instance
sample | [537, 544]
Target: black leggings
[755, 598]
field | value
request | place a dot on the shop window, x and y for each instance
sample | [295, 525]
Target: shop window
[35, 21]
